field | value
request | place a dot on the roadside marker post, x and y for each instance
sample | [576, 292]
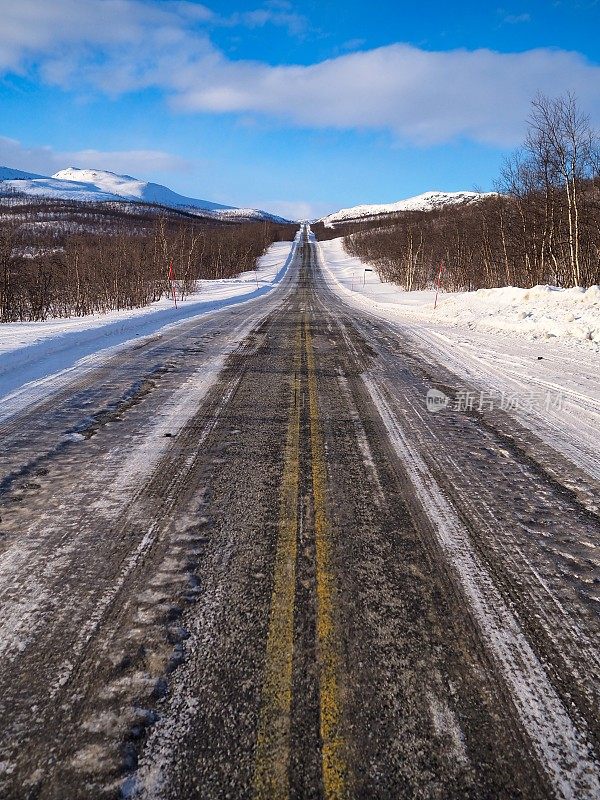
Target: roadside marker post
[437, 283]
[172, 280]
[367, 269]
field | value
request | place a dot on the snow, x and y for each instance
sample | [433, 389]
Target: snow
[94, 185]
[128, 188]
[428, 201]
[538, 313]
[32, 351]
[57, 189]
[563, 749]
[505, 341]
[247, 213]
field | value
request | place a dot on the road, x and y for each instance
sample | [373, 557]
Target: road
[242, 560]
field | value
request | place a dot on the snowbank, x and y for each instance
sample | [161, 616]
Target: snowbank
[508, 342]
[33, 350]
[542, 312]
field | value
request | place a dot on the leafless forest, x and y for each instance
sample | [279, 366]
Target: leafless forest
[542, 227]
[59, 258]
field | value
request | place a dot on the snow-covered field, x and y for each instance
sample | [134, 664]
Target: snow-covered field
[515, 342]
[30, 351]
[539, 313]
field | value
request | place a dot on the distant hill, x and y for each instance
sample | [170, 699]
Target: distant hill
[128, 188]
[93, 185]
[422, 202]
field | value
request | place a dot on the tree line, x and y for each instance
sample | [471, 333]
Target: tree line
[61, 259]
[543, 225]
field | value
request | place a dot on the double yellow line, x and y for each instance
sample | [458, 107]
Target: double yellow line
[335, 770]
[271, 778]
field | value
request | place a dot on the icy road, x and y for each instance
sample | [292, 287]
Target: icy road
[242, 559]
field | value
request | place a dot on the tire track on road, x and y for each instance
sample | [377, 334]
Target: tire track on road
[561, 746]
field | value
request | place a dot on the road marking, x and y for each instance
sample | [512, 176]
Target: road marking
[271, 776]
[334, 765]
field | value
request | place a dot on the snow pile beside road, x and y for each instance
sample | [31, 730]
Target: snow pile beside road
[30, 351]
[542, 312]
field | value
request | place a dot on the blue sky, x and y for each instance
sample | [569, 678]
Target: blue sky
[297, 107]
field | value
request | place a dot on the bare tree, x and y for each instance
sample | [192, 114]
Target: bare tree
[562, 145]
[60, 258]
[542, 227]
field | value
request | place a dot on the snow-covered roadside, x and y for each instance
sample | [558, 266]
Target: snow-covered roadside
[518, 364]
[542, 312]
[32, 351]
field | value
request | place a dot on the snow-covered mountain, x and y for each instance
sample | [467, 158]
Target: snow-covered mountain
[422, 202]
[56, 189]
[134, 189]
[93, 185]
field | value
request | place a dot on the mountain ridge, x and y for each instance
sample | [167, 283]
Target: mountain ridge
[95, 185]
[427, 201]
[135, 189]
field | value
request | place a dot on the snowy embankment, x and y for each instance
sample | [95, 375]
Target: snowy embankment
[542, 312]
[524, 344]
[30, 351]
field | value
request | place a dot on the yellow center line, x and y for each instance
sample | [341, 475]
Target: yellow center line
[271, 776]
[334, 763]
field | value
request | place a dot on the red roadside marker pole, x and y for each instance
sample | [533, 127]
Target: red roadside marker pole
[437, 283]
[172, 279]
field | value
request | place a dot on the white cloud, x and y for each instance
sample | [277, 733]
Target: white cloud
[45, 160]
[112, 45]
[30, 159]
[139, 162]
[353, 44]
[422, 97]
[295, 24]
[515, 19]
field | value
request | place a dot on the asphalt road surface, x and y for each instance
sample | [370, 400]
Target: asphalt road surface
[242, 560]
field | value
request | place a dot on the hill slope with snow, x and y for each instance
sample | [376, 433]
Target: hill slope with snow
[133, 189]
[57, 189]
[428, 201]
[92, 185]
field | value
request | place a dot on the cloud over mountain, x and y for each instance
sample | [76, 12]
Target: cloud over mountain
[47, 160]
